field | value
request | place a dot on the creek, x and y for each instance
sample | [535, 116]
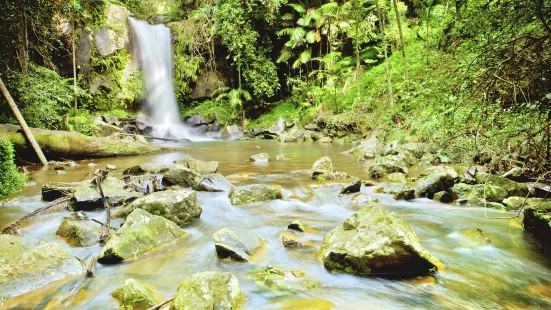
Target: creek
[488, 263]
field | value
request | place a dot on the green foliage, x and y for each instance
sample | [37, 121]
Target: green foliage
[11, 180]
[225, 113]
[282, 109]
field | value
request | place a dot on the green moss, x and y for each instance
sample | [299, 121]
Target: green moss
[284, 109]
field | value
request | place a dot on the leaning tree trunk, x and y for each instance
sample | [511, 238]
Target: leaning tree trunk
[22, 123]
[402, 43]
[382, 29]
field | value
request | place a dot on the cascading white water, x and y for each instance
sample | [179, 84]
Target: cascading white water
[154, 46]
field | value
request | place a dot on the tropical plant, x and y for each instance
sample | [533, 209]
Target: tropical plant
[236, 98]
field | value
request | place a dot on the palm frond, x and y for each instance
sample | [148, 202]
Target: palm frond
[311, 37]
[288, 16]
[305, 56]
[297, 7]
[297, 34]
[285, 55]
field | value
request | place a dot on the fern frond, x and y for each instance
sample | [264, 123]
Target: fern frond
[297, 7]
[311, 37]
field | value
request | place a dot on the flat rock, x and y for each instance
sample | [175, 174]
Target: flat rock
[375, 242]
[180, 175]
[199, 166]
[207, 291]
[86, 196]
[141, 233]
[239, 244]
[28, 264]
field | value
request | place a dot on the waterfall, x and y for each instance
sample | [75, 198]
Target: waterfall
[154, 47]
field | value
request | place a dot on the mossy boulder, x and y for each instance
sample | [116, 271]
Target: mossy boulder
[512, 188]
[180, 175]
[399, 191]
[54, 190]
[255, 193]
[260, 158]
[102, 129]
[86, 195]
[475, 194]
[141, 233]
[397, 177]
[385, 165]
[132, 295]
[214, 182]
[375, 242]
[323, 168]
[238, 244]
[199, 166]
[515, 203]
[433, 183]
[443, 196]
[135, 170]
[27, 264]
[209, 290]
[179, 206]
[537, 222]
[79, 231]
[366, 149]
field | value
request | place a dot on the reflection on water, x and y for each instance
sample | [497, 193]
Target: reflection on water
[488, 263]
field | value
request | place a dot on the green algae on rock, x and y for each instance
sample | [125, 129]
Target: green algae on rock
[27, 263]
[78, 230]
[375, 242]
[141, 233]
[132, 295]
[209, 290]
[249, 194]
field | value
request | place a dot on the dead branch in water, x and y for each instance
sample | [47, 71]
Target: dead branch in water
[107, 226]
[159, 306]
[60, 204]
[90, 269]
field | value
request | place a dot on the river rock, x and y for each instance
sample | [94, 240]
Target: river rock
[135, 170]
[179, 206]
[141, 233]
[249, 194]
[399, 191]
[385, 165]
[323, 167]
[86, 196]
[212, 183]
[54, 190]
[512, 188]
[537, 222]
[515, 203]
[397, 177]
[353, 186]
[132, 295]
[375, 242]
[209, 290]
[277, 128]
[78, 230]
[199, 166]
[102, 129]
[363, 198]
[290, 240]
[297, 225]
[325, 140]
[260, 158]
[515, 174]
[110, 168]
[232, 133]
[366, 149]
[28, 264]
[239, 244]
[443, 197]
[180, 175]
[433, 183]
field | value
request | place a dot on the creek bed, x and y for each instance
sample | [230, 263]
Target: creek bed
[488, 263]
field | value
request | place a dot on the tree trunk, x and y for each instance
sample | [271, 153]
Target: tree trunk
[23, 124]
[382, 28]
[74, 75]
[402, 43]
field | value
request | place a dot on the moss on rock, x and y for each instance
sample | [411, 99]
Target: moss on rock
[254, 193]
[132, 295]
[79, 231]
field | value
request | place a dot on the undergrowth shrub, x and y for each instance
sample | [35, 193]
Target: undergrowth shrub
[11, 180]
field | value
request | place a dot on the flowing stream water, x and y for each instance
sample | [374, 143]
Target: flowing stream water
[154, 47]
[498, 267]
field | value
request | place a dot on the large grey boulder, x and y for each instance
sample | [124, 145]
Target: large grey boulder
[114, 37]
[366, 149]
[249, 194]
[27, 264]
[232, 132]
[209, 290]
[212, 183]
[132, 295]
[180, 175]
[179, 206]
[141, 233]
[437, 180]
[86, 195]
[199, 166]
[385, 165]
[323, 168]
[78, 230]
[375, 242]
[238, 244]
[277, 128]
[512, 188]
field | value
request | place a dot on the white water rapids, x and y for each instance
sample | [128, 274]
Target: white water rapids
[154, 47]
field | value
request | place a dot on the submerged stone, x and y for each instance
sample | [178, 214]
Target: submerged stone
[141, 233]
[260, 158]
[132, 295]
[78, 230]
[199, 166]
[375, 242]
[209, 290]
[179, 206]
[239, 244]
[27, 264]
[291, 240]
[363, 198]
[254, 193]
